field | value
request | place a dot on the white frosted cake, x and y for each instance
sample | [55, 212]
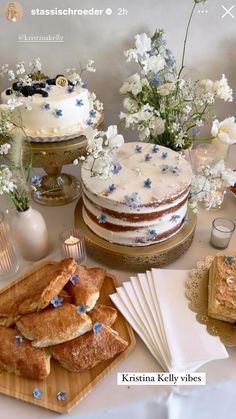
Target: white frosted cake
[145, 201]
[62, 112]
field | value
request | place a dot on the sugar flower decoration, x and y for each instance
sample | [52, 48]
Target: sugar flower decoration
[175, 218]
[74, 279]
[70, 88]
[102, 218]
[79, 102]
[18, 339]
[133, 201]
[229, 260]
[92, 113]
[152, 234]
[46, 106]
[116, 168]
[155, 148]
[89, 122]
[36, 393]
[111, 188]
[148, 157]
[164, 154]
[175, 170]
[147, 183]
[57, 301]
[61, 396]
[57, 113]
[138, 148]
[82, 308]
[97, 328]
[165, 168]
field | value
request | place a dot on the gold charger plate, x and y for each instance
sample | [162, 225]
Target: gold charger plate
[136, 258]
[76, 385]
[197, 293]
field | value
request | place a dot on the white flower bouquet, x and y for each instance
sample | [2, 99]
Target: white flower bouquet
[166, 108]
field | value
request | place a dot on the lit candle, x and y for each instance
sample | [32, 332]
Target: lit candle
[222, 230]
[72, 245]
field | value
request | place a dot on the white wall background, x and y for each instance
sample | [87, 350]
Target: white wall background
[211, 49]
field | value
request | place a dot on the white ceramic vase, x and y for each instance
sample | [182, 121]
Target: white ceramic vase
[30, 234]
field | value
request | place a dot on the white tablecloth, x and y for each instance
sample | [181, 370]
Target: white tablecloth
[216, 399]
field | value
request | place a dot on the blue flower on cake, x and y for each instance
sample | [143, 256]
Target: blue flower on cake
[186, 220]
[175, 218]
[116, 168]
[18, 339]
[89, 122]
[164, 154]
[155, 149]
[70, 88]
[138, 148]
[46, 106]
[165, 168]
[148, 157]
[229, 260]
[36, 393]
[56, 301]
[92, 113]
[61, 396]
[175, 170]
[74, 279]
[133, 201]
[152, 234]
[101, 218]
[147, 183]
[111, 188]
[79, 102]
[57, 113]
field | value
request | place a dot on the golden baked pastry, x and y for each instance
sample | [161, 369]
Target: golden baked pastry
[89, 350]
[97, 276]
[222, 288]
[48, 286]
[82, 289]
[19, 356]
[54, 326]
[103, 314]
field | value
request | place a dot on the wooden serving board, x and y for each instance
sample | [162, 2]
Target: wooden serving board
[76, 385]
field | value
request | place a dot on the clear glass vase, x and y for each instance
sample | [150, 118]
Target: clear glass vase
[8, 259]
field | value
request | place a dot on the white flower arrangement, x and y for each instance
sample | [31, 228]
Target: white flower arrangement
[164, 107]
[100, 148]
[208, 185]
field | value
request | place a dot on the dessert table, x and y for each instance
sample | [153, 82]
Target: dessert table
[107, 400]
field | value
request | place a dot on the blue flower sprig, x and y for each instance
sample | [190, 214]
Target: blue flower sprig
[152, 234]
[229, 260]
[70, 88]
[18, 339]
[57, 301]
[57, 113]
[97, 328]
[147, 157]
[79, 103]
[36, 393]
[133, 201]
[92, 113]
[82, 308]
[155, 149]
[116, 168]
[147, 183]
[111, 188]
[138, 148]
[164, 155]
[61, 396]
[74, 279]
[175, 218]
[46, 106]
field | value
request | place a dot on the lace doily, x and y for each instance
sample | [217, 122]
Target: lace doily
[197, 293]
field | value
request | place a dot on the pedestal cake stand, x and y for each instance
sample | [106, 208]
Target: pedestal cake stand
[57, 188]
[137, 258]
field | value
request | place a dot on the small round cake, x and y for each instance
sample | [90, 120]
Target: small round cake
[145, 200]
[65, 111]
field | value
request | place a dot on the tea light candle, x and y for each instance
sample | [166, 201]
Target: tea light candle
[72, 245]
[222, 230]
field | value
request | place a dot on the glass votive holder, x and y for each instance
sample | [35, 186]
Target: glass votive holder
[8, 259]
[222, 230]
[72, 245]
[205, 153]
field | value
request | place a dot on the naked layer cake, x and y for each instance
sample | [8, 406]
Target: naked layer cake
[145, 201]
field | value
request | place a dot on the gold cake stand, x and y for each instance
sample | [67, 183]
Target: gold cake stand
[137, 258]
[56, 187]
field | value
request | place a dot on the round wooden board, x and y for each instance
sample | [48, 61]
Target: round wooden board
[136, 258]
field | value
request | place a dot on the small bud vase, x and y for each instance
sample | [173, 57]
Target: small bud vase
[30, 234]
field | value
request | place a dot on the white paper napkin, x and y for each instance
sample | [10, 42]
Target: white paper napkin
[155, 305]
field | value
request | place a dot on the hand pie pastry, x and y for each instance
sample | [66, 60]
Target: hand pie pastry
[103, 314]
[89, 350]
[54, 326]
[222, 288]
[82, 289]
[97, 276]
[49, 285]
[19, 356]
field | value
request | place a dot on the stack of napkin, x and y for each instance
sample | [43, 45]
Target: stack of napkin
[155, 305]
